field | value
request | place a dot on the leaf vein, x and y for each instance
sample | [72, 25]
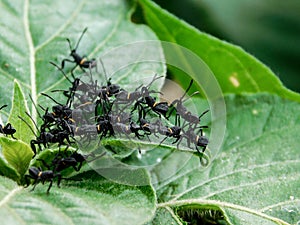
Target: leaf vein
[232, 173]
[68, 22]
[31, 57]
[57, 209]
[108, 37]
[280, 130]
[173, 215]
[279, 205]
[9, 196]
[267, 180]
[97, 48]
[16, 215]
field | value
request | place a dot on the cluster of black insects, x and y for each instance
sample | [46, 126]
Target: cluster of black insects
[98, 111]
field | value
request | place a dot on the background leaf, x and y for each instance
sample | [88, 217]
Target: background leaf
[93, 200]
[258, 167]
[235, 70]
[267, 29]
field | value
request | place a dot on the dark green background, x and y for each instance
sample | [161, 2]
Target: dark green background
[268, 29]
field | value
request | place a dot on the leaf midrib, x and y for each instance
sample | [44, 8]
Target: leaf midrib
[31, 57]
[9, 196]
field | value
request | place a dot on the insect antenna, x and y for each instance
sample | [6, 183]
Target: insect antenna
[33, 122]
[45, 110]
[51, 99]
[202, 114]
[104, 71]
[195, 93]
[186, 91]
[64, 72]
[35, 106]
[154, 79]
[3, 107]
[83, 32]
[29, 125]
[91, 75]
[68, 40]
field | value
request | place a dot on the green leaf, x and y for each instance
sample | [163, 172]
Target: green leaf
[235, 70]
[29, 47]
[17, 153]
[126, 160]
[93, 200]
[34, 33]
[122, 148]
[19, 107]
[255, 177]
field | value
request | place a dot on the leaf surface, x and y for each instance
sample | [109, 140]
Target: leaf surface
[33, 33]
[256, 175]
[29, 42]
[19, 109]
[93, 200]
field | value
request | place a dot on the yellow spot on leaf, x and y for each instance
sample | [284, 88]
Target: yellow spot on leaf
[234, 80]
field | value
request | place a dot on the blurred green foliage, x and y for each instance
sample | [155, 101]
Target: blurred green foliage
[268, 29]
